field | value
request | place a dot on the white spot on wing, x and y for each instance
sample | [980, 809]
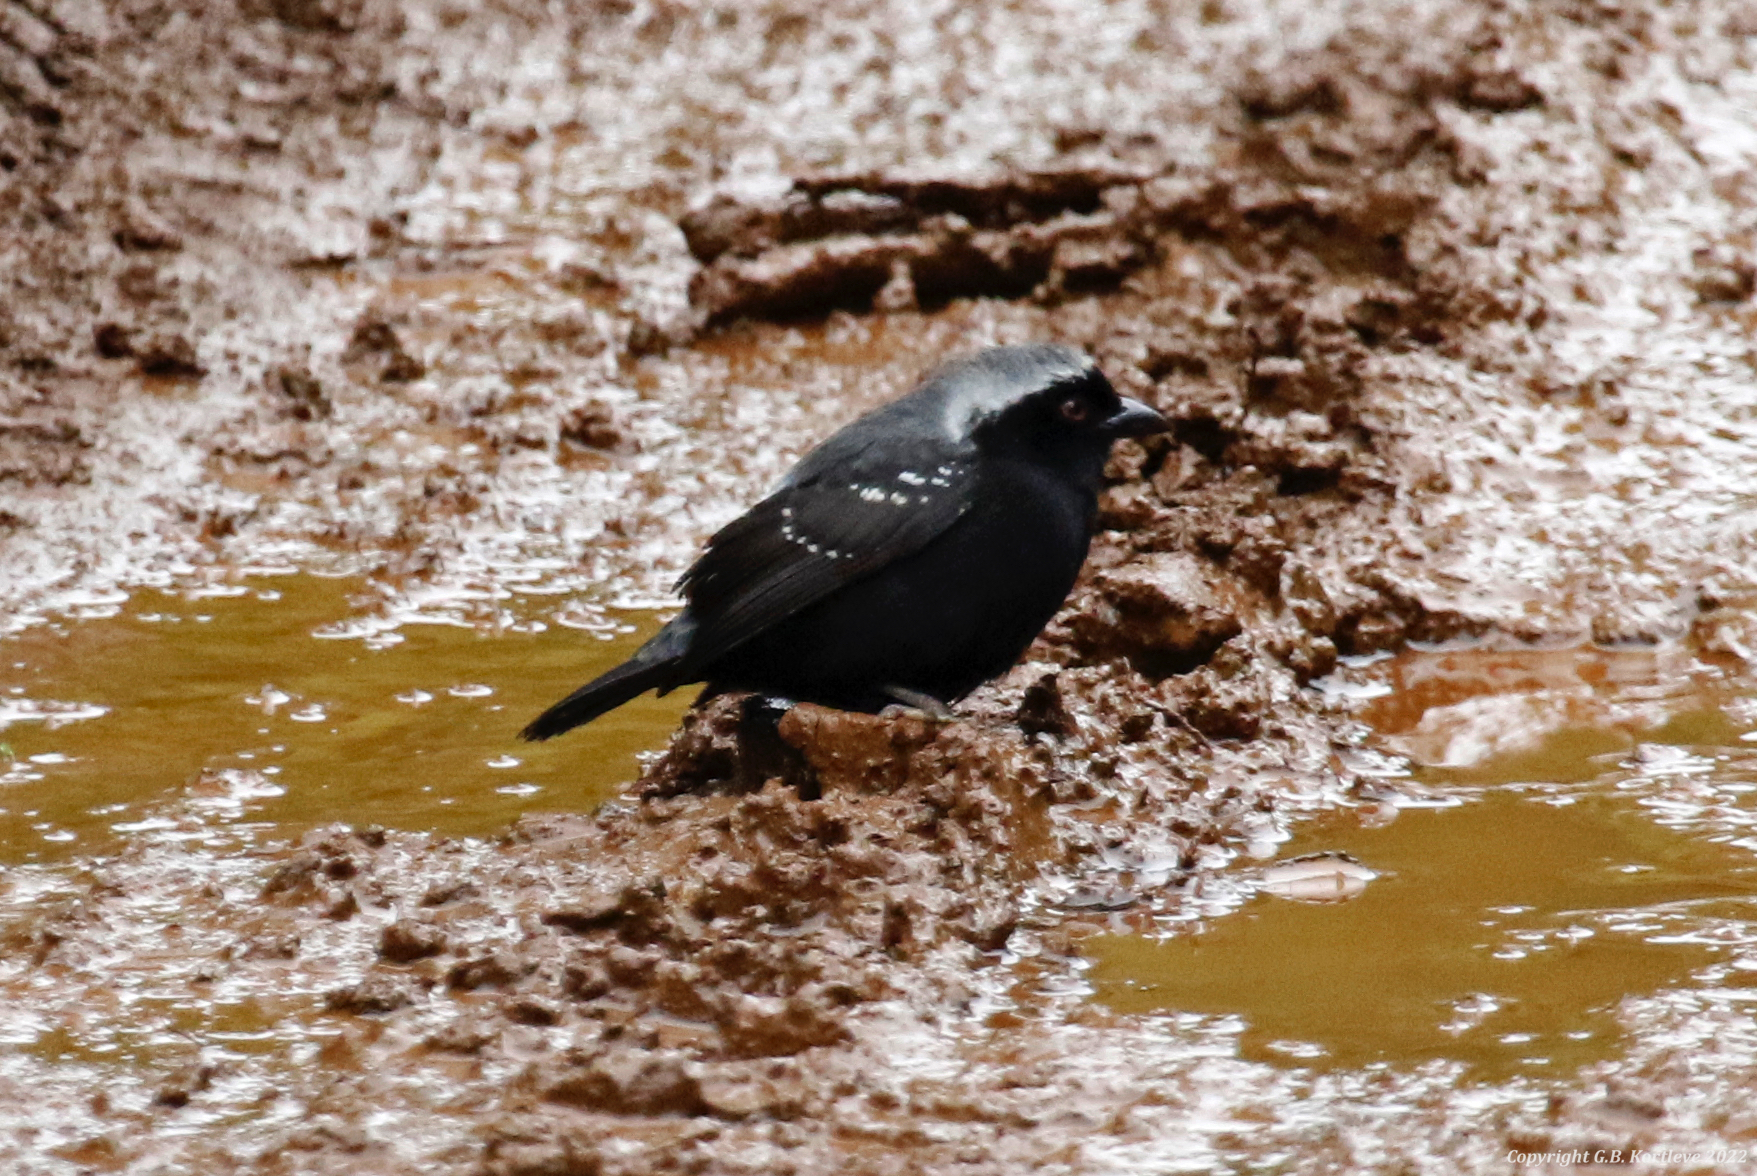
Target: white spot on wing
[910, 478]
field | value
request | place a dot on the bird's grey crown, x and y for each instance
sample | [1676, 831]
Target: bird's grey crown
[974, 389]
[936, 422]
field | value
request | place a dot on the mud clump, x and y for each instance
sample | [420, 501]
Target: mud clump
[1160, 612]
[1042, 711]
[373, 996]
[898, 242]
[405, 941]
[306, 399]
[44, 450]
[376, 342]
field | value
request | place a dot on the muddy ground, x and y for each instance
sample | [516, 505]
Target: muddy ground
[1451, 303]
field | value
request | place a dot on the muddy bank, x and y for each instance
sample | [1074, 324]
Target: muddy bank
[1451, 306]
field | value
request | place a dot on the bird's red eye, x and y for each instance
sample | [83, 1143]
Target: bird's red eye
[1074, 409]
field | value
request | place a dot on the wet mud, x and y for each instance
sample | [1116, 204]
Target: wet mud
[498, 311]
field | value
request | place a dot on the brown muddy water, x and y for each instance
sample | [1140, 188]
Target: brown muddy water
[258, 707]
[1498, 905]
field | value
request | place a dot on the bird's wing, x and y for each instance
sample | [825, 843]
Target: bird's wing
[831, 523]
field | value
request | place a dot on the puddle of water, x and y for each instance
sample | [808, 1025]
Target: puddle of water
[214, 718]
[1502, 933]
[1552, 715]
[1601, 850]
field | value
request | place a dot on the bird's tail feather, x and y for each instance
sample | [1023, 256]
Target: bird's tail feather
[654, 666]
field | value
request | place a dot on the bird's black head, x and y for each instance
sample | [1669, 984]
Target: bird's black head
[1045, 403]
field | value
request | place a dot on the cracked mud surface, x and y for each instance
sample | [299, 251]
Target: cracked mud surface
[1452, 308]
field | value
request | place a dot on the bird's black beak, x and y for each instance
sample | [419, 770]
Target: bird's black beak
[1134, 419]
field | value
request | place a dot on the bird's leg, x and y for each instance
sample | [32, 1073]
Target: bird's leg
[927, 704]
[763, 755]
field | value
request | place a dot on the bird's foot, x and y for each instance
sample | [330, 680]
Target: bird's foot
[915, 702]
[767, 708]
[764, 755]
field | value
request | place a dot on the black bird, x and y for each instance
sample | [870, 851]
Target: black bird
[909, 558]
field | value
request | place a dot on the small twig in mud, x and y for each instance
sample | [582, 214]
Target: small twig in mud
[1172, 716]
